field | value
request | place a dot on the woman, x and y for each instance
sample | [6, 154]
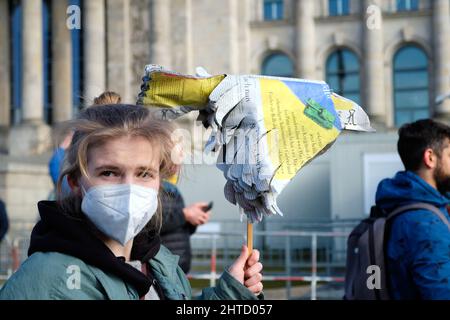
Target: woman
[84, 247]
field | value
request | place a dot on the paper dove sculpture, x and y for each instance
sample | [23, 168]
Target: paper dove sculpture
[264, 129]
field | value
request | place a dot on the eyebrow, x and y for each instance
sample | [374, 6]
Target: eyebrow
[106, 167]
[148, 169]
[116, 168]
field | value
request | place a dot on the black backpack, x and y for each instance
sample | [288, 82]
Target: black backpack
[365, 277]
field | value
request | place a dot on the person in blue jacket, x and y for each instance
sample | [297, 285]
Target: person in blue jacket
[418, 247]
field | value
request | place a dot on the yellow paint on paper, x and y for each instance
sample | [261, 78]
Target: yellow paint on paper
[299, 139]
[175, 91]
[173, 179]
[341, 103]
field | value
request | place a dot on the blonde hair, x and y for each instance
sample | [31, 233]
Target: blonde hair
[98, 124]
[107, 97]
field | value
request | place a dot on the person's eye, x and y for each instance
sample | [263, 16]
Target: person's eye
[146, 175]
[108, 173]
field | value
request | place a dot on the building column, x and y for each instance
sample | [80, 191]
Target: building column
[305, 39]
[373, 62]
[32, 57]
[94, 49]
[189, 35]
[61, 63]
[32, 135]
[160, 46]
[119, 49]
[5, 87]
[5, 95]
[234, 34]
[441, 34]
[244, 36]
[258, 13]
[182, 49]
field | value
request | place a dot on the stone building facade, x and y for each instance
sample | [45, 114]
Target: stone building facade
[48, 71]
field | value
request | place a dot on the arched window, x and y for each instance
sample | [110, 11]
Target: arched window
[278, 65]
[411, 80]
[342, 74]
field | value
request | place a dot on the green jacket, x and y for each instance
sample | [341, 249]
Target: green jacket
[52, 275]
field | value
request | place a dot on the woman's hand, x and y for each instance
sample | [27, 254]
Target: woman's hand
[247, 270]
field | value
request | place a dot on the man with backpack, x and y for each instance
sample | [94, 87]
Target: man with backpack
[405, 242]
[418, 247]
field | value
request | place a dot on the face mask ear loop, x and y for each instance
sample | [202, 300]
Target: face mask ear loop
[83, 191]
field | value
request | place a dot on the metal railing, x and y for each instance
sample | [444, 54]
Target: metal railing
[285, 265]
[289, 276]
[13, 251]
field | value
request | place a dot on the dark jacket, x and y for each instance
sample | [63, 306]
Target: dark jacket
[62, 248]
[418, 256]
[4, 223]
[176, 231]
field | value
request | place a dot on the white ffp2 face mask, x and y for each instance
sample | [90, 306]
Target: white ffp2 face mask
[120, 211]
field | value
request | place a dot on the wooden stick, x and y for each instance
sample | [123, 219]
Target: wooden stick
[249, 237]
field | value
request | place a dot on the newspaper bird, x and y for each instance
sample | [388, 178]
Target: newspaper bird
[265, 129]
